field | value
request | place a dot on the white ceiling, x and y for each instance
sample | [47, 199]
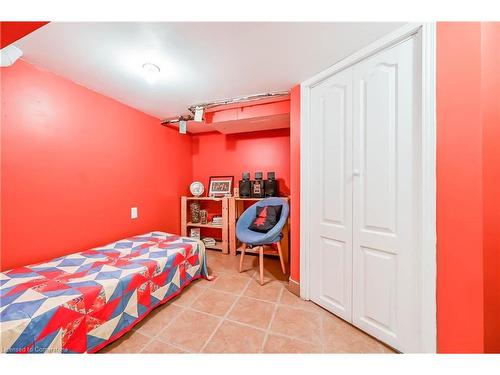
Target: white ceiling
[199, 61]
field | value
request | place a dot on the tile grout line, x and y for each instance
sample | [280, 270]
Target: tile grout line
[177, 346]
[156, 336]
[268, 330]
[230, 309]
[188, 307]
[189, 351]
[249, 326]
[322, 332]
[183, 308]
[223, 318]
[164, 342]
[276, 303]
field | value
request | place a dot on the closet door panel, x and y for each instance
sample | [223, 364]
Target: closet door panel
[333, 276]
[377, 93]
[379, 270]
[331, 198]
[385, 222]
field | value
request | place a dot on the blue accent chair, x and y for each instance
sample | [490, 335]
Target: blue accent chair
[257, 240]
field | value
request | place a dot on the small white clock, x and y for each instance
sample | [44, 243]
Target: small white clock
[196, 188]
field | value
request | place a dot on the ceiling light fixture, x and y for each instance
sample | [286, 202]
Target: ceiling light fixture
[151, 72]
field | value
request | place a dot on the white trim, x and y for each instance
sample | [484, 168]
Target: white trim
[428, 224]
[428, 214]
[305, 189]
[293, 286]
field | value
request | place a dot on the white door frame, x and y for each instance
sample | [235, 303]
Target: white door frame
[427, 281]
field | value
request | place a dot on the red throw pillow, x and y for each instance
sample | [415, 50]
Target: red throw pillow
[267, 217]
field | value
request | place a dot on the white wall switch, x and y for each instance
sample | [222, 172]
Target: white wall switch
[133, 213]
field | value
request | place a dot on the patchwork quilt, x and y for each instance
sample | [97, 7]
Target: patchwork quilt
[81, 302]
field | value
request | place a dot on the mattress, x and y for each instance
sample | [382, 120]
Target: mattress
[81, 302]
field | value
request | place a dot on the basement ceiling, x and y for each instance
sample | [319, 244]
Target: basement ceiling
[199, 62]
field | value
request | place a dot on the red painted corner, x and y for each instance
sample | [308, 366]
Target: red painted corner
[490, 112]
[12, 31]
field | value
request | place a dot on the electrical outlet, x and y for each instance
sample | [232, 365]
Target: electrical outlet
[133, 213]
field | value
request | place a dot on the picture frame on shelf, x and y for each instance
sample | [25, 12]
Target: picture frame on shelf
[220, 186]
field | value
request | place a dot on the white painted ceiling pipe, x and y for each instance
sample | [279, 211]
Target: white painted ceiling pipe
[9, 55]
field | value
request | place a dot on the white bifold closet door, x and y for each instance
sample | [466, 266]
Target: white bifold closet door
[365, 201]
[331, 198]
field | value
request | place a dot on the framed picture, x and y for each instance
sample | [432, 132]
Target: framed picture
[220, 186]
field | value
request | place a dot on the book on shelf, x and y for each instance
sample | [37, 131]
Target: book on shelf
[217, 220]
[209, 241]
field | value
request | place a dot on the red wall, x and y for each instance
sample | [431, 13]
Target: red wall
[468, 183]
[490, 111]
[74, 162]
[459, 189]
[295, 183]
[12, 31]
[215, 154]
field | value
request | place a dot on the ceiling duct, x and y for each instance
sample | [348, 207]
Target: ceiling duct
[9, 55]
[175, 120]
[202, 107]
[237, 100]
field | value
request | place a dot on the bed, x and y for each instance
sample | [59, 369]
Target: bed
[81, 302]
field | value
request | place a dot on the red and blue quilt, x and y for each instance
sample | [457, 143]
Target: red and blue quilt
[81, 302]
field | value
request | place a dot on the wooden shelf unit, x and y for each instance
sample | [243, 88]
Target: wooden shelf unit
[204, 199]
[222, 243]
[199, 225]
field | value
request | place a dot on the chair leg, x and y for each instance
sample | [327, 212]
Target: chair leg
[281, 257]
[261, 264]
[243, 247]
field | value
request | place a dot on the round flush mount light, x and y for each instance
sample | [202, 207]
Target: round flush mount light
[151, 72]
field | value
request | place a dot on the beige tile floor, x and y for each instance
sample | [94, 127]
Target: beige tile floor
[235, 314]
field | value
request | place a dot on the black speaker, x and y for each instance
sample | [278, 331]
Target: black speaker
[258, 186]
[271, 185]
[245, 186]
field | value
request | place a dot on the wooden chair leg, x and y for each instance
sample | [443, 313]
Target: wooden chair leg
[261, 264]
[243, 247]
[278, 244]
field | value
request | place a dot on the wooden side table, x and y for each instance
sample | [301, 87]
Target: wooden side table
[236, 208]
[222, 242]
